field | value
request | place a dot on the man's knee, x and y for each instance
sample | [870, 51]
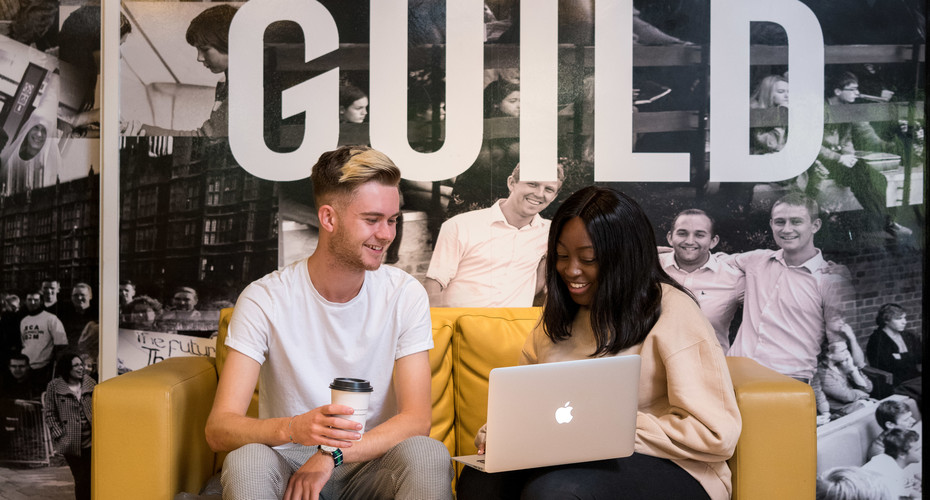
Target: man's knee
[425, 461]
[423, 448]
[249, 470]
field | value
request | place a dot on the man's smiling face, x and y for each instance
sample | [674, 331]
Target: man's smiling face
[793, 228]
[367, 226]
[529, 198]
[692, 239]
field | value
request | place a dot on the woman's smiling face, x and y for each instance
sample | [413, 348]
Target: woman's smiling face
[576, 263]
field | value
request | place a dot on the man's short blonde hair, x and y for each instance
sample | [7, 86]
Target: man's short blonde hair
[338, 173]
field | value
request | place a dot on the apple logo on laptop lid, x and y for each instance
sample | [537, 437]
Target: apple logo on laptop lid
[563, 415]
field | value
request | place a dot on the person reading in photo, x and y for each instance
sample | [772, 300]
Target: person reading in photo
[842, 382]
[209, 34]
[337, 313]
[839, 157]
[608, 296]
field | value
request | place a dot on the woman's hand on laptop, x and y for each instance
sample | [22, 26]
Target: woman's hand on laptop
[481, 439]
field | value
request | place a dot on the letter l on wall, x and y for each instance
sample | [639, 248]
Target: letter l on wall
[614, 158]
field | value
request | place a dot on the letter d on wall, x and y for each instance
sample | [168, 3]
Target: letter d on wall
[730, 160]
[318, 97]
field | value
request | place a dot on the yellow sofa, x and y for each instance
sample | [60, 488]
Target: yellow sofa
[148, 425]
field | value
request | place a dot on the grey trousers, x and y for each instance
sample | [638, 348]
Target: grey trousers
[416, 468]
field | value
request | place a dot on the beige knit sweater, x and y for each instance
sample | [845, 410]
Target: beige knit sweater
[687, 408]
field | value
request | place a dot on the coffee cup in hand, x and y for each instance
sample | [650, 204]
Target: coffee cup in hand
[352, 392]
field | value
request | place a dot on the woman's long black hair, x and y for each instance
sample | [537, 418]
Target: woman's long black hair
[627, 293]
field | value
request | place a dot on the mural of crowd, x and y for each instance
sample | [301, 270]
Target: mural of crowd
[777, 268]
[765, 261]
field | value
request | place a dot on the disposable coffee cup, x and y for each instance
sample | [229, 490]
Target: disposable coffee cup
[352, 392]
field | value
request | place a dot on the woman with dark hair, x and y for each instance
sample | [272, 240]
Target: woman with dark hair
[209, 34]
[353, 104]
[896, 350]
[608, 296]
[67, 410]
[501, 98]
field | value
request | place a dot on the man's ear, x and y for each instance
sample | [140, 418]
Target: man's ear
[816, 223]
[714, 241]
[668, 237]
[510, 183]
[328, 218]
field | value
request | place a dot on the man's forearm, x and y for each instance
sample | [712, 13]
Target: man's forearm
[226, 432]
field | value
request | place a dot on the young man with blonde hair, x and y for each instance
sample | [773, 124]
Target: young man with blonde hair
[338, 313]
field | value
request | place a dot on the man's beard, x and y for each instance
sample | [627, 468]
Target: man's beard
[349, 256]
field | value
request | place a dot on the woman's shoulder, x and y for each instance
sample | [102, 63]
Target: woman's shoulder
[56, 385]
[673, 297]
[681, 318]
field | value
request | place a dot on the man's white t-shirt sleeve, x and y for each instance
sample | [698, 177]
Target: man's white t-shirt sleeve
[250, 324]
[417, 334]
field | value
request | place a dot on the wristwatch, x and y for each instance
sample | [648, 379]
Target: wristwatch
[334, 452]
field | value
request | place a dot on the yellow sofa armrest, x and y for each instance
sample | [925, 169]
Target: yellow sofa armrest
[776, 456]
[148, 430]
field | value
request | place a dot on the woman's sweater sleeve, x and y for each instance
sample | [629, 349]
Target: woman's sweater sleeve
[699, 419]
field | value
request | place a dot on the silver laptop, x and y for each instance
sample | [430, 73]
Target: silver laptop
[560, 413]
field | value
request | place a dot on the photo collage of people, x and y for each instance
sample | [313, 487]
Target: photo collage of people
[196, 227]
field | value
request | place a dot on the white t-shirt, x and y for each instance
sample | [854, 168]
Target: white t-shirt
[482, 261]
[40, 333]
[303, 341]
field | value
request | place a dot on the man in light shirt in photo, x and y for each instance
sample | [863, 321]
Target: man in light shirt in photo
[718, 288]
[793, 295]
[493, 257]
